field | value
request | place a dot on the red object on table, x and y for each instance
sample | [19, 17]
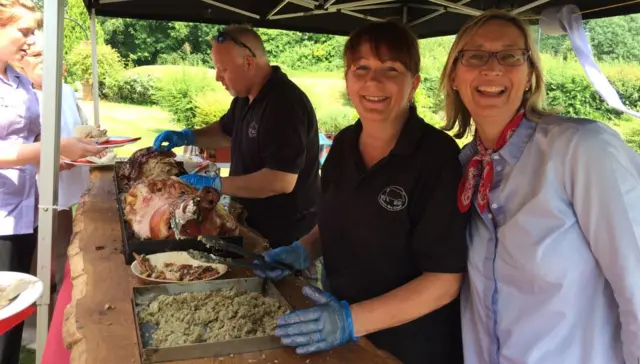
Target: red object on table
[11, 321]
[54, 351]
[118, 142]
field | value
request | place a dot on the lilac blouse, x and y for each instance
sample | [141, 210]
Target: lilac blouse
[19, 124]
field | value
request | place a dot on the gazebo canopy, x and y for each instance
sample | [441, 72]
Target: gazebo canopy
[428, 18]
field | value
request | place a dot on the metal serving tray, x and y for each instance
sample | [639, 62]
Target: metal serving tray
[132, 244]
[143, 295]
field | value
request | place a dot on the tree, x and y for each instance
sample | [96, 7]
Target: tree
[74, 33]
[615, 39]
[143, 42]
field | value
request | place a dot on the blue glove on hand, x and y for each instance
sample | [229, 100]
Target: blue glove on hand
[294, 255]
[199, 181]
[173, 139]
[319, 328]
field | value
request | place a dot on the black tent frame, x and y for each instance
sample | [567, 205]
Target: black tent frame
[428, 18]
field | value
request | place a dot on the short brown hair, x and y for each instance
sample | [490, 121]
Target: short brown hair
[457, 114]
[400, 43]
[8, 14]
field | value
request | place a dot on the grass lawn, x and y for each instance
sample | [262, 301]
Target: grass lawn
[133, 121]
[27, 356]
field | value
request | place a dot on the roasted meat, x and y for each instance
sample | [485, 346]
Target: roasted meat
[90, 132]
[147, 164]
[175, 272]
[168, 208]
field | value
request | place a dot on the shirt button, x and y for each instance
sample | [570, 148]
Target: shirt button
[495, 206]
[495, 156]
[491, 216]
[498, 168]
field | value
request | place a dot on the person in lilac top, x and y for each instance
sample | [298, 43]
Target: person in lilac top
[554, 236]
[20, 152]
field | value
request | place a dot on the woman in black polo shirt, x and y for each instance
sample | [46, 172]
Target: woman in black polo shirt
[390, 232]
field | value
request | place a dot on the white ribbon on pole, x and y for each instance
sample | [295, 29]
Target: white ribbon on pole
[567, 20]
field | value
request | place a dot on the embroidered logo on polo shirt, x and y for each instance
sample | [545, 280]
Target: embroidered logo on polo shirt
[253, 130]
[393, 198]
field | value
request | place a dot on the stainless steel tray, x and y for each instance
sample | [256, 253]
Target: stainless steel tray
[143, 295]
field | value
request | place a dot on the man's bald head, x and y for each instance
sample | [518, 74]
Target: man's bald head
[247, 35]
[240, 60]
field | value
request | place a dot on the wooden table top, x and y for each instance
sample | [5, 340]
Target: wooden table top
[99, 323]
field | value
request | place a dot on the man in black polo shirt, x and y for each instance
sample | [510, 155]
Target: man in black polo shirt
[273, 132]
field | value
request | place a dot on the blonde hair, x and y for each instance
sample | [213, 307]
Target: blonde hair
[457, 114]
[9, 15]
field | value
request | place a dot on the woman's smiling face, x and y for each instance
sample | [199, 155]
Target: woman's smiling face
[493, 90]
[378, 86]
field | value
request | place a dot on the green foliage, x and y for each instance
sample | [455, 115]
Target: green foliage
[110, 66]
[615, 39]
[210, 107]
[177, 93]
[143, 42]
[184, 57]
[632, 136]
[331, 121]
[133, 89]
[570, 92]
[73, 33]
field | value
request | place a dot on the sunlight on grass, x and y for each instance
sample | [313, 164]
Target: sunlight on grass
[131, 121]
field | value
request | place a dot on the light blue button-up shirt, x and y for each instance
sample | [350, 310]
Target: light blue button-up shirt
[19, 124]
[554, 262]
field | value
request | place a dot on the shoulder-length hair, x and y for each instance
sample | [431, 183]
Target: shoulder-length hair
[457, 114]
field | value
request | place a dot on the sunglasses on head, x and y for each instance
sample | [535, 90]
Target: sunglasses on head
[222, 36]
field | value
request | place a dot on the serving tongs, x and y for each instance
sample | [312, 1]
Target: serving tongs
[258, 261]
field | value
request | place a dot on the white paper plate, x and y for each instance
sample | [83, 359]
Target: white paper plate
[176, 258]
[24, 299]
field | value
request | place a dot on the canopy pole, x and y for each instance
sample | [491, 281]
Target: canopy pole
[404, 14]
[94, 70]
[49, 160]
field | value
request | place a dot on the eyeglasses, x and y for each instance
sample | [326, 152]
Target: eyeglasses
[507, 57]
[222, 36]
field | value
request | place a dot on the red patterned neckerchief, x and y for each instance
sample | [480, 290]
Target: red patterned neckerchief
[481, 166]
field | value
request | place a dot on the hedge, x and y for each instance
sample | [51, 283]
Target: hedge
[194, 97]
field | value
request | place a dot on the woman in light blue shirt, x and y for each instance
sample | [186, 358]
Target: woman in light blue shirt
[20, 153]
[554, 237]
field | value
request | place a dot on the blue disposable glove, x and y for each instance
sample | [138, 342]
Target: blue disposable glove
[199, 181]
[294, 255]
[173, 139]
[319, 328]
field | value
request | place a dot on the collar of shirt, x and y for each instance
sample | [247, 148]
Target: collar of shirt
[407, 140]
[14, 77]
[512, 151]
[276, 76]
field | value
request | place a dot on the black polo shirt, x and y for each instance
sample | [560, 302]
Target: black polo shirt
[279, 131]
[384, 226]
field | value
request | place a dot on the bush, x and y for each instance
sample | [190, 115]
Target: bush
[182, 58]
[210, 107]
[177, 93]
[631, 134]
[110, 66]
[570, 92]
[332, 120]
[133, 89]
